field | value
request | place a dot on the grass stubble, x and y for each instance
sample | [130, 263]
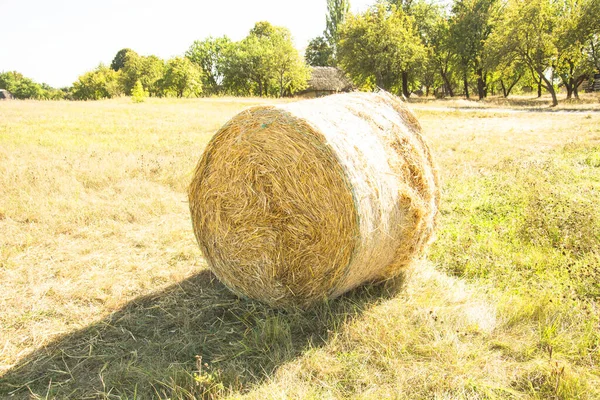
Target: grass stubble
[104, 293]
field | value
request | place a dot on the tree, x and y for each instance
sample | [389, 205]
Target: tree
[509, 73]
[264, 63]
[592, 51]
[22, 87]
[150, 70]
[130, 71]
[319, 53]
[119, 61]
[470, 26]
[431, 23]
[380, 45]
[147, 69]
[577, 30]
[527, 31]
[138, 94]
[250, 66]
[102, 83]
[182, 78]
[337, 10]
[210, 54]
[291, 73]
[442, 54]
[50, 93]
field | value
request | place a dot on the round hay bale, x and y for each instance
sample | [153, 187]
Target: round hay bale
[295, 203]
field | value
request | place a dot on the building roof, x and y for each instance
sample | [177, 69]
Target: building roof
[328, 79]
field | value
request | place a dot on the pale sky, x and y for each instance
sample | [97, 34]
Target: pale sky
[55, 41]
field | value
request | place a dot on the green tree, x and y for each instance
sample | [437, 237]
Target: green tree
[138, 94]
[9, 79]
[470, 26]
[102, 83]
[578, 27]
[50, 93]
[319, 53]
[28, 89]
[249, 66]
[182, 78]
[119, 61]
[442, 53]
[380, 46]
[147, 69]
[337, 10]
[527, 31]
[210, 55]
[290, 71]
[151, 69]
[22, 87]
[130, 71]
[429, 18]
[508, 73]
[592, 51]
[264, 63]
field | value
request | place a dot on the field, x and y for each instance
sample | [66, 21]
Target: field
[105, 295]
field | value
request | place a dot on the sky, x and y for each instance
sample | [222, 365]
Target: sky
[56, 41]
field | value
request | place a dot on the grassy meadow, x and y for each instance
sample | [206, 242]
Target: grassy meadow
[104, 293]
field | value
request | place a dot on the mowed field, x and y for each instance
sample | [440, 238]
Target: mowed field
[104, 293]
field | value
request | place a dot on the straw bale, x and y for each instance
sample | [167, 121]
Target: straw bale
[295, 203]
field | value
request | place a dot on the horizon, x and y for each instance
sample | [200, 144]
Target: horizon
[144, 26]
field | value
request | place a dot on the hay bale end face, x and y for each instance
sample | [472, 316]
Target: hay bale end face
[296, 203]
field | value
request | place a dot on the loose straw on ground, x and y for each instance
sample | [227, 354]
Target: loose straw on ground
[300, 202]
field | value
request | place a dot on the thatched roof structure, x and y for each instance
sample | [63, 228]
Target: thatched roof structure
[328, 79]
[5, 94]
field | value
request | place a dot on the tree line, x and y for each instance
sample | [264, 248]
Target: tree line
[473, 46]
[264, 63]
[403, 46]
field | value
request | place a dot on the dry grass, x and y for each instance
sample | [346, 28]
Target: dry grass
[587, 101]
[104, 294]
[302, 202]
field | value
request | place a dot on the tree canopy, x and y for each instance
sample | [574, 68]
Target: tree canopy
[264, 63]
[380, 47]
[209, 54]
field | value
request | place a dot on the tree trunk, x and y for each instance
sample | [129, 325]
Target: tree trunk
[446, 82]
[426, 91]
[504, 91]
[405, 91]
[569, 88]
[578, 82]
[466, 83]
[260, 88]
[281, 85]
[553, 93]
[549, 87]
[571, 80]
[540, 88]
[480, 84]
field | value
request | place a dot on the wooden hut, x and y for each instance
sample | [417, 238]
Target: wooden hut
[592, 85]
[5, 95]
[326, 80]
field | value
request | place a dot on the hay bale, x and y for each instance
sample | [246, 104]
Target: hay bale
[299, 202]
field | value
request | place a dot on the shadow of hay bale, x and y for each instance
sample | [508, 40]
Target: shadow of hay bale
[190, 340]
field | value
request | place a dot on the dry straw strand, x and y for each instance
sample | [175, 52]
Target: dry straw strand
[296, 203]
